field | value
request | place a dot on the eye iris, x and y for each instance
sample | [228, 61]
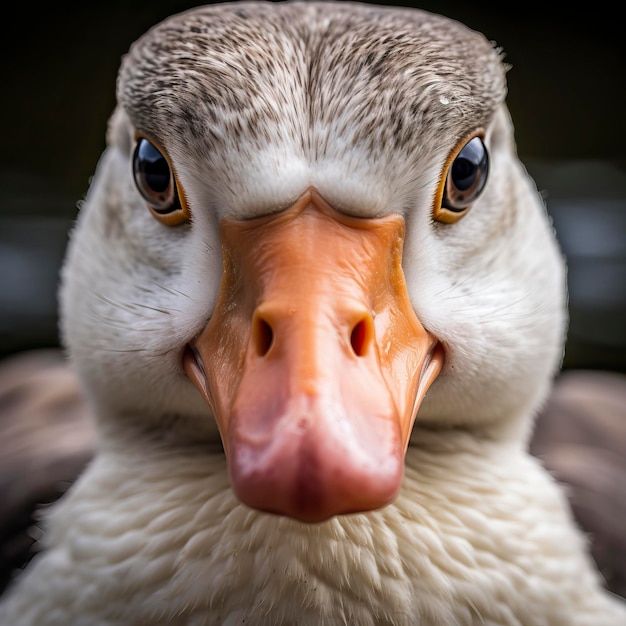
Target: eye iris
[153, 178]
[467, 175]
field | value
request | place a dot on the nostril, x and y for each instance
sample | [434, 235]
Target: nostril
[361, 336]
[262, 336]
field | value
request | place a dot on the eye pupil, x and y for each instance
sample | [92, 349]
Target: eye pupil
[463, 174]
[157, 176]
[154, 179]
[467, 176]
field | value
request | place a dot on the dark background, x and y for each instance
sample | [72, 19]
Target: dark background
[566, 95]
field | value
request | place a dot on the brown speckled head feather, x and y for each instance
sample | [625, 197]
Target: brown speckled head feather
[253, 75]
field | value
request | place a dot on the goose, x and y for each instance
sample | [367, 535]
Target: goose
[314, 301]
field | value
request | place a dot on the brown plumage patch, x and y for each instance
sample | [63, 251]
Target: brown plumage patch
[46, 440]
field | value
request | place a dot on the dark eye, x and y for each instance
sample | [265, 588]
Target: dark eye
[155, 181]
[465, 179]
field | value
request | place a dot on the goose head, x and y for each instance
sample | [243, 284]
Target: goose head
[308, 240]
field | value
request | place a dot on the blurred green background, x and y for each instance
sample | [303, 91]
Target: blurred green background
[566, 95]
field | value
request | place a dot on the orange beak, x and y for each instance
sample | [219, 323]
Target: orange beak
[314, 362]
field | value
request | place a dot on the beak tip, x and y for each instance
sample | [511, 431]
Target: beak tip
[294, 483]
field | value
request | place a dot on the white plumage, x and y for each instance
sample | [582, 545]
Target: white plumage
[302, 117]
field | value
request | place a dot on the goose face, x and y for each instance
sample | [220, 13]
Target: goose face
[307, 273]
